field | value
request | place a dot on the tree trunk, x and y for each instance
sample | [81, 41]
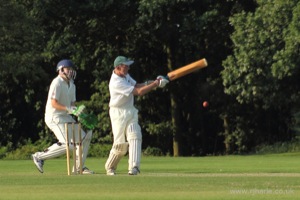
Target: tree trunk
[174, 112]
[227, 140]
[176, 140]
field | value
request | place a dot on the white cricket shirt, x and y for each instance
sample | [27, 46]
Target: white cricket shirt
[120, 89]
[64, 93]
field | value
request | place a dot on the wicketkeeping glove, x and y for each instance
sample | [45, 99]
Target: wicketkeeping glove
[73, 110]
[77, 112]
[162, 81]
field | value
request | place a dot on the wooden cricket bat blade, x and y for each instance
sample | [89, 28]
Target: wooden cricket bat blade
[187, 69]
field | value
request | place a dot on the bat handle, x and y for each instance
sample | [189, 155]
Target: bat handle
[167, 77]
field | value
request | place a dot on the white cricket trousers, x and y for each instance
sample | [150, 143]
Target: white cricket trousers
[57, 126]
[125, 127]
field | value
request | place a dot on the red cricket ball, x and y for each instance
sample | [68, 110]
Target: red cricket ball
[205, 104]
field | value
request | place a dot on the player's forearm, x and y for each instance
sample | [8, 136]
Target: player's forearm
[139, 85]
[142, 90]
[55, 104]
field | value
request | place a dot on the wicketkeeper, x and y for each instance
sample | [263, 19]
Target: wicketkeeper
[60, 105]
[126, 130]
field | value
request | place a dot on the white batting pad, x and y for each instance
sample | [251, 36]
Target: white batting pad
[134, 137]
[53, 151]
[116, 153]
[135, 151]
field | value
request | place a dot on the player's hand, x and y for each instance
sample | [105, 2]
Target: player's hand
[71, 109]
[162, 81]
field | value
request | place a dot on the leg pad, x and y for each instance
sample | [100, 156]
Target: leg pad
[117, 152]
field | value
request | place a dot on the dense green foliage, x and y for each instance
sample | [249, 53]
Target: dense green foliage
[251, 83]
[263, 72]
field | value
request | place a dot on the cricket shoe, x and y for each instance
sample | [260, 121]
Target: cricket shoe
[38, 163]
[110, 172]
[86, 170]
[134, 171]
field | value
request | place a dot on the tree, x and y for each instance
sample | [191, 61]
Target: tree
[20, 76]
[258, 76]
[177, 33]
[91, 33]
[160, 36]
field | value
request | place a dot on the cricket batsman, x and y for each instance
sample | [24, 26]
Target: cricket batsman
[126, 130]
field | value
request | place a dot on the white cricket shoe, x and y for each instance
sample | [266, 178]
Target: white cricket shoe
[134, 171]
[86, 170]
[38, 163]
[110, 172]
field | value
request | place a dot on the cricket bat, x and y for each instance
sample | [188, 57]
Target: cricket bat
[187, 69]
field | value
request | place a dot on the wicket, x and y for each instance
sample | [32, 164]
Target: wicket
[72, 140]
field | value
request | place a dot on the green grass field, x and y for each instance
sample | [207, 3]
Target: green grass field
[274, 176]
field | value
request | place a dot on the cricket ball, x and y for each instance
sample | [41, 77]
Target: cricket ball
[205, 104]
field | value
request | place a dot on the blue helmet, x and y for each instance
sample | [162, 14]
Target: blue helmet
[64, 63]
[71, 73]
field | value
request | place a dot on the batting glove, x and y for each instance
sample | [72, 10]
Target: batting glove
[162, 81]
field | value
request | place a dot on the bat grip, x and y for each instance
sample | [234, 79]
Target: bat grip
[167, 77]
